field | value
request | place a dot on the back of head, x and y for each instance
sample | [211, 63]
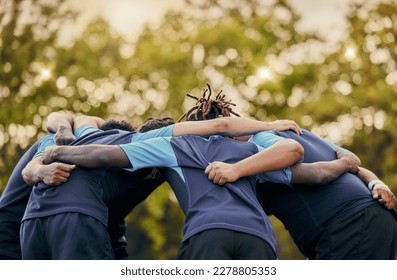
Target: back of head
[207, 108]
[155, 123]
[114, 124]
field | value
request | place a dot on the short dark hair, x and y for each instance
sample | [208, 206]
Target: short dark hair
[114, 124]
[154, 123]
[207, 108]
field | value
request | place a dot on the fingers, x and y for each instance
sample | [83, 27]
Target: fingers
[216, 177]
[385, 197]
[66, 167]
[292, 125]
[214, 173]
[58, 173]
[297, 129]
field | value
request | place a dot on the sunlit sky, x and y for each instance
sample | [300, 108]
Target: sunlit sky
[128, 16]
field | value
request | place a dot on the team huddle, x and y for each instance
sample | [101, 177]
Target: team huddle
[69, 194]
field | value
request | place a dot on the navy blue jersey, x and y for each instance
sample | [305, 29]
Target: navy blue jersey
[12, 206]
[304, 209]
[87, 191]
[206, 205]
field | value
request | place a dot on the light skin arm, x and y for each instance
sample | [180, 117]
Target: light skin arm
[302, 173]
[63, 125]
[381, 191]
[232, 126]
[280, 155]
[53, 174]
[81, 120]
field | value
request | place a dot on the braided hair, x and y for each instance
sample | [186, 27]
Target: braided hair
[207, 108]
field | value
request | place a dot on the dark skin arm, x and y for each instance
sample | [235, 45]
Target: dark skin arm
[93, 156]
[89, 156]
[323, 172]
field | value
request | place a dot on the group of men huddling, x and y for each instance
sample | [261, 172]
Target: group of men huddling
[70, 192]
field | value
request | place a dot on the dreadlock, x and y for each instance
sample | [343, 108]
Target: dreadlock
[207, 108]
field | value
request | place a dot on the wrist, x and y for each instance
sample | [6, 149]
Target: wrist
[65, 127]
[267, 125]
[238, 170]
[376, 184]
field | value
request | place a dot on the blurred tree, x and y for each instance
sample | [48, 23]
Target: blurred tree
[27, 59]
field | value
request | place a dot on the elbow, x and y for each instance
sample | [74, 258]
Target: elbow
[295, 150]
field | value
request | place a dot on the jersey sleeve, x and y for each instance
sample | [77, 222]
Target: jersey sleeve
[282, 176]
[265, 138]
[47, 141]
[84, 130]
[155, 152]
[160, 132]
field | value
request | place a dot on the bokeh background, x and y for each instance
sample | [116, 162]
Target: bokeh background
[329, 65]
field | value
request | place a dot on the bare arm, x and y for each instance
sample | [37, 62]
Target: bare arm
[53, 174]
[323, 172]
[63, 125]
[81, 120]
[89, 156]
[231, 126]
[280, 155]
[380, 190]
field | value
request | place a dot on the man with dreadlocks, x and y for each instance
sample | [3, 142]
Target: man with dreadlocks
[221, 223]
[343, 219]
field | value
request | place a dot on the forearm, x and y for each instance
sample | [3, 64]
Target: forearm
[366, 175]
[318, 173]
[234, 126]
[81, 120]
[89, 156]
[230, 126]
[57, 120]
[278, 156]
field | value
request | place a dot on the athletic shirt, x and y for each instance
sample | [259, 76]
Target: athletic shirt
[233, 206]
[12, 206]
[87, 191]
[306, 210]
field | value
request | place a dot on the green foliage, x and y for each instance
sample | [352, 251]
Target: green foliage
[248, 48]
